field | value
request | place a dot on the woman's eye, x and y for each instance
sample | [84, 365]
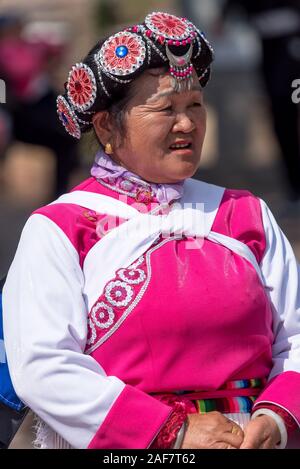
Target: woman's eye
[169, 108]
[197, 104]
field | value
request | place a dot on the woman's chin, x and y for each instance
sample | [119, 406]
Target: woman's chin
[183, 171]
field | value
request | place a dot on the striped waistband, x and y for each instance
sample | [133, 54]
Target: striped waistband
[226, 405]
[235, 396]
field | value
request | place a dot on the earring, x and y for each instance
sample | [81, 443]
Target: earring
[108, 149]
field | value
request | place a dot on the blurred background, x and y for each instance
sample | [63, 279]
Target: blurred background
[253, 132]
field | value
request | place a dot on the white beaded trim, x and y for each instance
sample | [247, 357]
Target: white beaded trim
[206, 41]
[82, 121]
[199, 48]
[112, 77]
[203, 74]
[92, 328]
[100, 75]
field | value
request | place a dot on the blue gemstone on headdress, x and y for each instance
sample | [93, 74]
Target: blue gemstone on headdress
[121, 51]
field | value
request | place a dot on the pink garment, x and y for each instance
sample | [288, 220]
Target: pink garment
[246, 334]
[203, 318]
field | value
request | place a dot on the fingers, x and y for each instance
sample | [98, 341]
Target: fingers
[234, 439]
[236, 430]
[259, 434]
[234, 436]
[252, 440]
[255, 445]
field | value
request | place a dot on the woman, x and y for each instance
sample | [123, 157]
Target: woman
[143, 308]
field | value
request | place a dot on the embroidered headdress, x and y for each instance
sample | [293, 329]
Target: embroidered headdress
[102, 78]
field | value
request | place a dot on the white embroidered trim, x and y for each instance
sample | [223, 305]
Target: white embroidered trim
[138, 297]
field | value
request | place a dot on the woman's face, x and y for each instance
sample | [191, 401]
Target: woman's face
[164, 130]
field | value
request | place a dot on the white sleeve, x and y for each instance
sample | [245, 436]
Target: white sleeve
[45, 329]
[281, 274]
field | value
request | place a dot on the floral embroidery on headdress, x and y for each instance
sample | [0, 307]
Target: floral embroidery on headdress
[173, 31]
[122, 54]
[166, 26]
[68, 117]
[81, 87]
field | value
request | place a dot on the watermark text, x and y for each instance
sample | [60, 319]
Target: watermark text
[2, 91]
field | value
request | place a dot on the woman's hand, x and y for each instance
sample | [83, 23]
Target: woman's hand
[212, 431]
[261, 433]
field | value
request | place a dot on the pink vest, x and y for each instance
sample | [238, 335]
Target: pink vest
[179, 318]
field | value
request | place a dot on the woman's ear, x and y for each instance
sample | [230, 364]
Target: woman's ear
[102, 125]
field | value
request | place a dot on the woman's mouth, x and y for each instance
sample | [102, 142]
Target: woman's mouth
[181, 146]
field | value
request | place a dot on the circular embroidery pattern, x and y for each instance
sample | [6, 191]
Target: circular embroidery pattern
[67, 117]
[118, 293]
[81, 87]
[122, 53]
[133, 277]
[168, 26]
[103, 315]
[92, 334]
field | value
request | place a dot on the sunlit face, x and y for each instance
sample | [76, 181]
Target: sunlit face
[164, 130]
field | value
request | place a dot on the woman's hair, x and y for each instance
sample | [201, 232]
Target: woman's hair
[102, 81]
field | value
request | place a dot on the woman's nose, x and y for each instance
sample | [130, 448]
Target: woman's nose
[183, 123]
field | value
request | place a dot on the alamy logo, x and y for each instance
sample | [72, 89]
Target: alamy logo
[296, 92]
[2, 91]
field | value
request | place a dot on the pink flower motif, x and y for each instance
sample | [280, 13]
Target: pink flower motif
[123, 53]
[169, 26]
[132, 276]
[81, 87]
[103, 315]
[67, 117]
[118, 294]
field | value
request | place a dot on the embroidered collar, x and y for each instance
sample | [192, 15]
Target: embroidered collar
[118, 178]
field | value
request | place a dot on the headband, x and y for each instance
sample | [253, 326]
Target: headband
[162, 40]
